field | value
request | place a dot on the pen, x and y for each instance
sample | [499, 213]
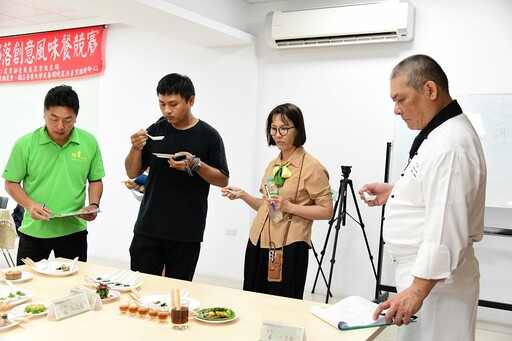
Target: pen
[268, 196]
[44, 205]
[413, 317]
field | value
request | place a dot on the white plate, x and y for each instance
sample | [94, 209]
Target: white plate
[164, 156]
[51, 269]
[192, 303]
[20, 310]
[19, 300]
[123, 288]
[118, 285]
[10, 325]
[226, 320]
[112, 295]
[25, 276]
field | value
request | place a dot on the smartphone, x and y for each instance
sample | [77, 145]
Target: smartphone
[179, 157]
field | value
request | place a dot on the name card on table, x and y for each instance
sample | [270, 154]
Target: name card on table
[276, 331]
[69, 306]
[94, 299]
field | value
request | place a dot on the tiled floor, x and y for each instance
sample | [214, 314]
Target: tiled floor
[486, 331]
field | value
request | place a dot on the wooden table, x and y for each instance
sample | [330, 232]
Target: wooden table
[109, 324]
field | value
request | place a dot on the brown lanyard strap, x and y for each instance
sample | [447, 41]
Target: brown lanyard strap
[271, 244]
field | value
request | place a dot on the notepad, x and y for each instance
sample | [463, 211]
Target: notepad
[352, 312]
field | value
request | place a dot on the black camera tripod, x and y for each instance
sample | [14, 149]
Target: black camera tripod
[339, 216]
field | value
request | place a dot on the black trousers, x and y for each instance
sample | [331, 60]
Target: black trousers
[70, 246]
[295, 267]
[149, 255]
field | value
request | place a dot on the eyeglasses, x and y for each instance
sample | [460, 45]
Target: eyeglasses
[283, 131]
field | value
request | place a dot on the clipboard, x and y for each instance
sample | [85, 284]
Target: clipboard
[72, 214]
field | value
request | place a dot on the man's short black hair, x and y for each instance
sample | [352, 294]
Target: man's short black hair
[62, 96]
[174, 83]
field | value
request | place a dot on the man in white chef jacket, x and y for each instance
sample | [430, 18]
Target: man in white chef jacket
[435, 211]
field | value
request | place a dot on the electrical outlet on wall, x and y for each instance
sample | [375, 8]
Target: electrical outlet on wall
[231, 231]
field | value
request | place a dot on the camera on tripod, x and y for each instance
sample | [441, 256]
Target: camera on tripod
[345, 170]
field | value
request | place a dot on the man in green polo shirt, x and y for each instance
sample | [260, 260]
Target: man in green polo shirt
[47, 173]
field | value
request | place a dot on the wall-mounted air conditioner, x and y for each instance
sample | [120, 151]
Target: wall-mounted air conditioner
[353, 24]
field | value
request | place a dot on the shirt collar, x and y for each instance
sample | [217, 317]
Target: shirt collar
[294, 160]
[451, 110]
[44, 137]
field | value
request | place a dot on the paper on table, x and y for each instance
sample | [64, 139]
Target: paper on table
[62, 215]
[350, 313]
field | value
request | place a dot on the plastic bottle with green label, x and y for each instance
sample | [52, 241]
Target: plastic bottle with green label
[275, 215]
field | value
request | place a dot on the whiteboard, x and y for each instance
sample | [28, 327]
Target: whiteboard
[491, 115]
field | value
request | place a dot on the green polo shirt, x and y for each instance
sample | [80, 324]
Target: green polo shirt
[56, 176]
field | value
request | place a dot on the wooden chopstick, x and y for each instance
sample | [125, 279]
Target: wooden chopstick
[135, 292]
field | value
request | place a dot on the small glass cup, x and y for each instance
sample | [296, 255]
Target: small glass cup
[123, 307]
[153, 311]
[133, 308]
[143, 311]
[179, 317]
[163, 314]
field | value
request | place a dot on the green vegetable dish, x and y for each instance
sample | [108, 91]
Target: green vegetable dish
[35, 309]
[216, 314]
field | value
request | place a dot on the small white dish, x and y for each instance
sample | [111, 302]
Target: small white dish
[20, 310]
[198, 316]
[25, 276]
[51, 269]
[112, 295]
[21, 299]
[10, 325]
[164, 156]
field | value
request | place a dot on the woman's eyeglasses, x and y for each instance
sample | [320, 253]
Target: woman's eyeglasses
[283, 131]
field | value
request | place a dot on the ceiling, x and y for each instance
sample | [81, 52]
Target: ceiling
[18, 17]
[20, 13]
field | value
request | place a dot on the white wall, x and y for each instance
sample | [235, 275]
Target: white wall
[343, 92]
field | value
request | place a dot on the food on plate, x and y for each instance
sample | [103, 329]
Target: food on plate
[216, 313]
[35, 308]
[63, 267]
[12, 275]
[102, 290]
[3, 320]
[20, 293]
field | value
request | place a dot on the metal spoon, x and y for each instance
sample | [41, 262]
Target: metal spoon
[155, 138]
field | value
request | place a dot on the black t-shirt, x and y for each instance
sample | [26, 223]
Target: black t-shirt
[175, 204]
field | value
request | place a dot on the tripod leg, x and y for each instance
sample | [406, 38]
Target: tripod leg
[342, 211]
[362, 228]
[320, 270]
[319, 262]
